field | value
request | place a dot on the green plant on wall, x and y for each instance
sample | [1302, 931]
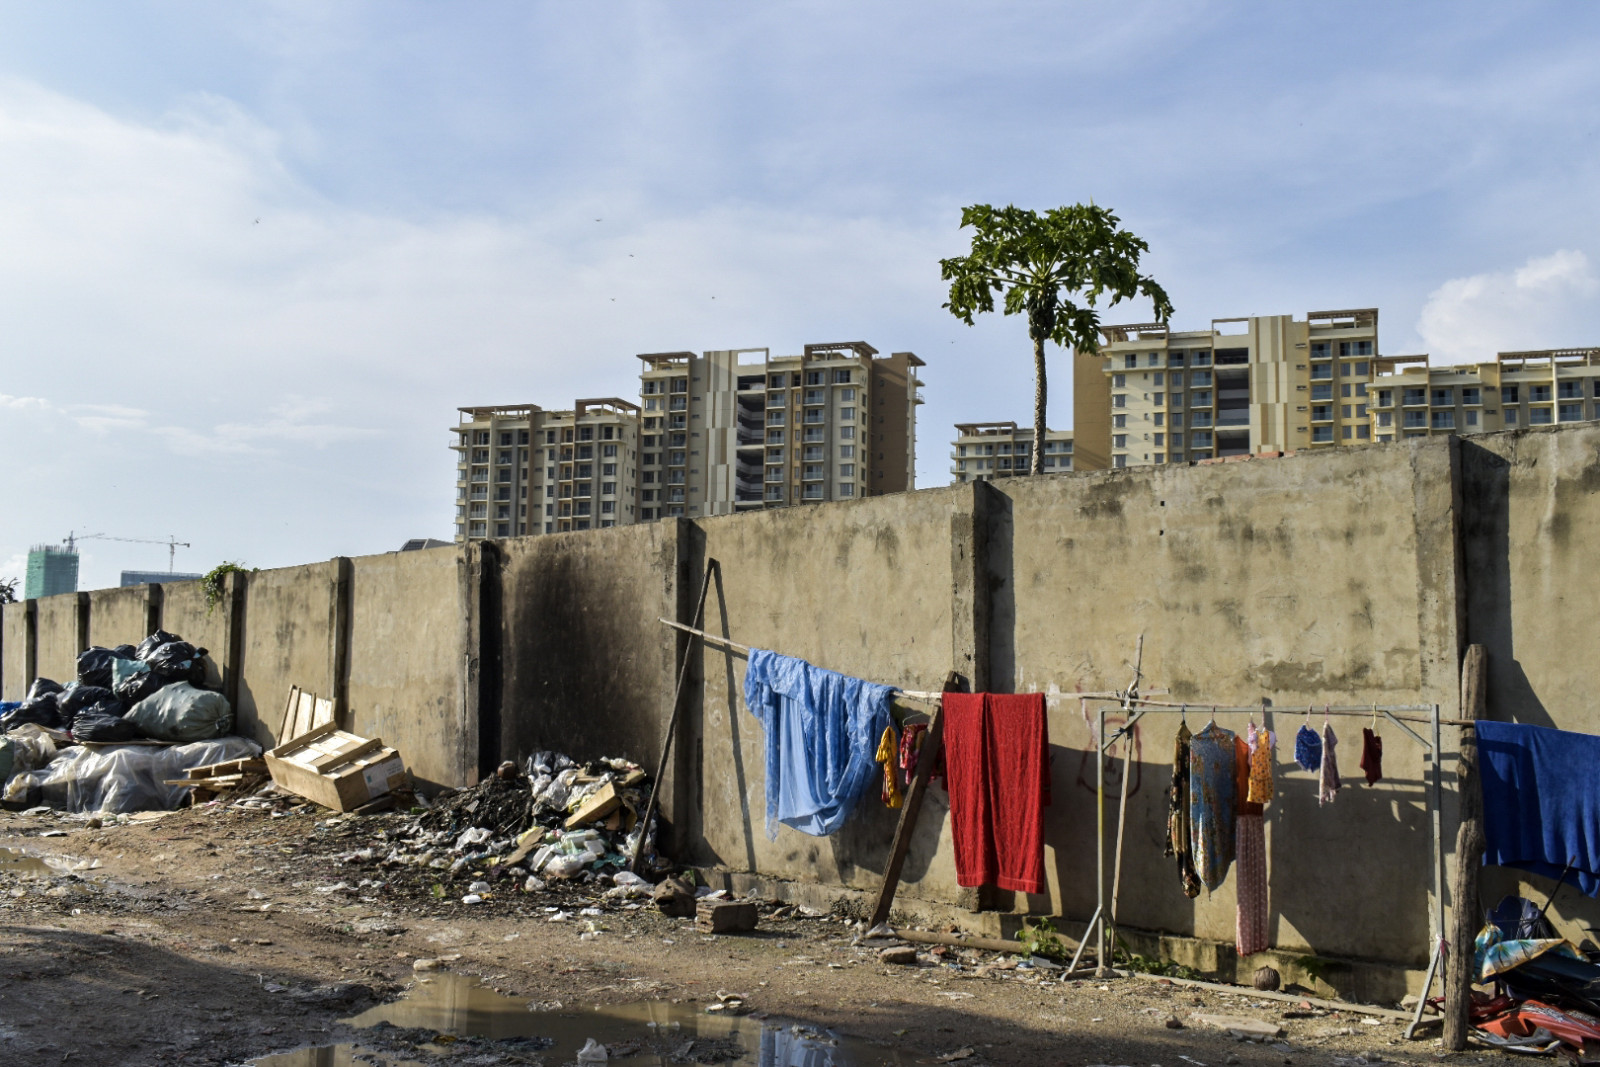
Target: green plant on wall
[214, 583]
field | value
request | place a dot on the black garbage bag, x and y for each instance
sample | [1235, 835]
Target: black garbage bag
[135, 681]
[41, 687]
[96, 724]
[41, 712]
[155, 641]
[94, 666]
[178, 661]
[79, 699]
[127, 651]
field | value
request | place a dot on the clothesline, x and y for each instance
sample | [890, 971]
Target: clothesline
[1355, 711]
[909, 694]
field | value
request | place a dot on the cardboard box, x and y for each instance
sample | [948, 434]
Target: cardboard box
[337, 769]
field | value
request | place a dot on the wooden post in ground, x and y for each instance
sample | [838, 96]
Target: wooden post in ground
[928, 756]
[1469, 856]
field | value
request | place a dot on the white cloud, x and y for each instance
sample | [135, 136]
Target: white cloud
[1548, 302]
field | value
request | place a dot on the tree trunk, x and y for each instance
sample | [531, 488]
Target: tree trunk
[1036, 461]
[1469, 856]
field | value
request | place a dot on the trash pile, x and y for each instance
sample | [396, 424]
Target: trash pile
[1546, 990]
[549, 820]
[109, 740]
[154, 691]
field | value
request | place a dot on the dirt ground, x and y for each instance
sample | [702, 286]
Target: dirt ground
[216, 935]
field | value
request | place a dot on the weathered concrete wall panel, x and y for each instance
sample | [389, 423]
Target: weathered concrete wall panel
[864, 588]
[1308, 580]
[288, 640]
[14, 641]
[185, 612]
[60, 639]
[405, 677]
[1531, 512]
[585, 667]
[120, 616]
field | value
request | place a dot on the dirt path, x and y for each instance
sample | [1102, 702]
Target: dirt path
[213, 936]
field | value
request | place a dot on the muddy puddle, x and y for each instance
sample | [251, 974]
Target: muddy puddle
[15, 862]
[454, 1018]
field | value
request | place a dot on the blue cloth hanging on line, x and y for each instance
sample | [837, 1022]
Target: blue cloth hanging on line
[822, 732]
[1308, 749]
[1541, 800]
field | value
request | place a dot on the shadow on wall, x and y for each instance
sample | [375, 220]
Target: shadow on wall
[1486, 542]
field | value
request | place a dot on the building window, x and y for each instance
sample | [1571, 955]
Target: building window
[1471, 395]
[1364, 432]
[1508, 394]
[1119, 421]
[849, 451]
[1119, 381]
[1321, 434]
[841, 376]
[846, 489]
[1322, 392]
[1571, 412]
[1444, 420]
[1569, 390]
[1130, 361]
[1321, 412]
[1472, 418]
[1538, 416]
[1119, 461]
[608, 507]
[1119, 400]
[1321, 370]
[812, 492]
[847, 414]
[1119, 440]
[1444, 398]
[1355, 348]
[1539, 394]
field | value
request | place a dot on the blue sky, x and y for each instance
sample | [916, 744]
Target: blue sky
[503, 202]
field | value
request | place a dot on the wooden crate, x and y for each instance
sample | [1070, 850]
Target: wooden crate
[337, 769]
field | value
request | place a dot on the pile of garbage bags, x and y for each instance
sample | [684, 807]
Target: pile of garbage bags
[552, 818]
[85, 746]
[154, 691]
[1546, 990]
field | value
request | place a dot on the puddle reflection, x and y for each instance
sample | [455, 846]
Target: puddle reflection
[641, 1034]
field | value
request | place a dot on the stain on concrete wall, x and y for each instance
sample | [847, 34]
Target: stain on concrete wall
[14, 640]
[863, 588]
[59, 637]
[120, 616]
[288, 640]
[185, 612]
[404, 668]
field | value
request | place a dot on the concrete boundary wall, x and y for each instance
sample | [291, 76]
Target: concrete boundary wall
[1350, 576]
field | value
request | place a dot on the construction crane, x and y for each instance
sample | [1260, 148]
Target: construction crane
[172, 543]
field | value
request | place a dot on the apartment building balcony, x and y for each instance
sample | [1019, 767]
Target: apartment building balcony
[816, 397]
[815, 415]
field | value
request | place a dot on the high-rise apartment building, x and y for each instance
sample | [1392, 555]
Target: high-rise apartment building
[984, 451]
[52, 569]
[1410, 398]
[1257, 384]
[523, 470]
[741, 429]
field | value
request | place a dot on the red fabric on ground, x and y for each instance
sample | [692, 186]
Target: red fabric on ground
[997, 760]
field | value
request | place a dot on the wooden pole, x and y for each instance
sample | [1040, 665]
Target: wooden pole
[1469, 855]
[927, 758]
[672, 722]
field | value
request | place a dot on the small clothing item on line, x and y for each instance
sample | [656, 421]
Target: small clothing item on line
[997, 769]
[1371, 755]
[1251, 888]
[1242, 804]
[1212, 803]
[889, 756]
[911, 749]
[1261, 743]
[1328, 784]
[1178, 844]
[822, 729]
[1308, 749]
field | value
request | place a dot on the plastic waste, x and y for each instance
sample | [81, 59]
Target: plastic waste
[475, 835]
[81, 698]
[40, 711]
[153, 642]
[565, 866]
[94, 666]
[178, 659]
[41, 687]
[124, 778]
[628, 878]
[593, 1052]
[99, 724]
[133, 680]
[24, 749]
[180, 712]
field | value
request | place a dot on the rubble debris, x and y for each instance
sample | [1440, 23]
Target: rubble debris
[725, 917]
[900, 955]
[1240, 1026]
[675, 897]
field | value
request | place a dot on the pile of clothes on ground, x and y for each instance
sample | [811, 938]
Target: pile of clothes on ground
[98, 742]
[1546, 990]
[549, 819]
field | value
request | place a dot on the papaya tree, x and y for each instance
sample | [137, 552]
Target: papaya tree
[1058, 268]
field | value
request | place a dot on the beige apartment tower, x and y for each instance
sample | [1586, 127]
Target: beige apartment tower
[523, 470]
[1410, 398]
[1246, 385]
[984, 451]
[740, 429]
